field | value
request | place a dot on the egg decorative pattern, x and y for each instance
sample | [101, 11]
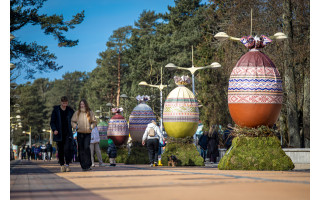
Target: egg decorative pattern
[103, 128]
[139, 118]
[118, 129]
[181, 112]
[255, 87]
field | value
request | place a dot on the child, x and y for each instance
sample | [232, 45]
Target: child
[112, 152]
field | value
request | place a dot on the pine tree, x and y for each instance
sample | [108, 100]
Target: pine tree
[33, 57]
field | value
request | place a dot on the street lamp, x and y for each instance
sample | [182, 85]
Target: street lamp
[99, 111]
[50, 132]
[193, 69]
[109, 105]
[222, 36]
[160, 87]
[29, 133]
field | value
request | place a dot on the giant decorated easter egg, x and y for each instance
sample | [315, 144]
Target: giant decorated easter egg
[255, 91]
[103, 128]
[181, 113]
[118, 130]
[139, 118]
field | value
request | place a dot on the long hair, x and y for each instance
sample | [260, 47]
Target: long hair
[213, 129]
[87, 108]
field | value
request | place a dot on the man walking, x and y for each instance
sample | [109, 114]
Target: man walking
[152, 135]
[62, 132]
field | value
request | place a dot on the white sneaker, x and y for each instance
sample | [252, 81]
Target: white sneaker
[92, 165]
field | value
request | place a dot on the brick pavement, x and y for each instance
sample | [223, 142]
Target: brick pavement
[38, 179]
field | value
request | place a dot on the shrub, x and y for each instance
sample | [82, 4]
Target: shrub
[138, 154]
[185, 151]
[255, 153]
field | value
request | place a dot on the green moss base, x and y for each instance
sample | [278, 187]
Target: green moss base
[256, 153]
[186, 154]
[138, 154]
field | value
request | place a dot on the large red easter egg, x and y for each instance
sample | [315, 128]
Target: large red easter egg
[118, 130]
[255, 91]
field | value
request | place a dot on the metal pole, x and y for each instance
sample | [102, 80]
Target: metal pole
[161, 103]
[193, 90]
[161, 110]
[51, 137]
[251, 23]
[30, 138]
[125, 108]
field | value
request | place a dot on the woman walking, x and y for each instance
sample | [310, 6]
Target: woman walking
[83, 120]
[213, 141]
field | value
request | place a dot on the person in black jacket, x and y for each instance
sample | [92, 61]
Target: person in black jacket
[49, 151]
[28, 150]
[112, 152]
[203, 143]
[62, 132]
[213, 142]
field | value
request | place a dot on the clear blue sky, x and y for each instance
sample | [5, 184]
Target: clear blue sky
[101, 18]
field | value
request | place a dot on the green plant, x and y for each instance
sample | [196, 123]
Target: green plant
[184, 150]
[138, 154]
[255, 153]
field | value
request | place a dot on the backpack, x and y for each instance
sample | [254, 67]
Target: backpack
[151, 132]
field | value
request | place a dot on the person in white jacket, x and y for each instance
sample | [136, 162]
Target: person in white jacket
[152, 134]
[95, 147]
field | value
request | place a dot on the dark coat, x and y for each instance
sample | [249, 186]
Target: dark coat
[56, 124]
[49, 148]
[213, 143]
[112, 151]
[203, 142]
[227, 138]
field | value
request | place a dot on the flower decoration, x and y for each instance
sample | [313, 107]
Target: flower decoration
[116, 110]
[183, 80]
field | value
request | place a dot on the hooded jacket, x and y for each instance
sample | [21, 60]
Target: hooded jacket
[112, 150]
[158, 134]
[56, 125]
[82, 122]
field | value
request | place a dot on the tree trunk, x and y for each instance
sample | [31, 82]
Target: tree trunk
[119, 78]
[291, 104]
[306, 110]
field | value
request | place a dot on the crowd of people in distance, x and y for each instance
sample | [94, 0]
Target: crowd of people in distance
[37, 152]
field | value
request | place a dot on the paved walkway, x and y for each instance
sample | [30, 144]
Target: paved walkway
[43, 180]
